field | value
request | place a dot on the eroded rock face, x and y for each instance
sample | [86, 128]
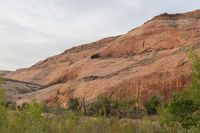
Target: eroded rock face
[148, 60]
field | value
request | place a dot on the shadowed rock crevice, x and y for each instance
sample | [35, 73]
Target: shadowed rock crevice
[95, 56]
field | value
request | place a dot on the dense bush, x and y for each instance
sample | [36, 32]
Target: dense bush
[152, 104]
[74, 104]
[182, 111]
[109, 107]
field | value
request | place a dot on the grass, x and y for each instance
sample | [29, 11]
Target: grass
[36, 118]
[32, 119]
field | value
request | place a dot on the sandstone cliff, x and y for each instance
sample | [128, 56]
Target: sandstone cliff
[148, 60]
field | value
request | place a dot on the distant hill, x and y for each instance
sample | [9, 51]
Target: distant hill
[14, 90]
[3, 73]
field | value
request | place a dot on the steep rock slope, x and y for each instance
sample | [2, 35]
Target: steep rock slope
[148, 60]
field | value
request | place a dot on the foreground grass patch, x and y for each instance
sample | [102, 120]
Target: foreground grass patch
[31, 119]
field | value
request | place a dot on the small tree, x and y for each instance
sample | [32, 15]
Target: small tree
[184, 107]
[182, 110]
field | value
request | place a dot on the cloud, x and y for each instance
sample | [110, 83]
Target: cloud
[31, 30]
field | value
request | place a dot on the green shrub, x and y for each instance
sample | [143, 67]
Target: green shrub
[74, 104]
[152, 104]
[55, 109]
[109, 107]
[10, 105]
[182, 111]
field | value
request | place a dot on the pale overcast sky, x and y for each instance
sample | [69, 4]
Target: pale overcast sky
[31, 30]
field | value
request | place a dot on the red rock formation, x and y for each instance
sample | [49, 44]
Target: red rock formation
[148, 60]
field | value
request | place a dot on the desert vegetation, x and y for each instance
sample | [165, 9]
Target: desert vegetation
[107, 115]
[184, 107]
